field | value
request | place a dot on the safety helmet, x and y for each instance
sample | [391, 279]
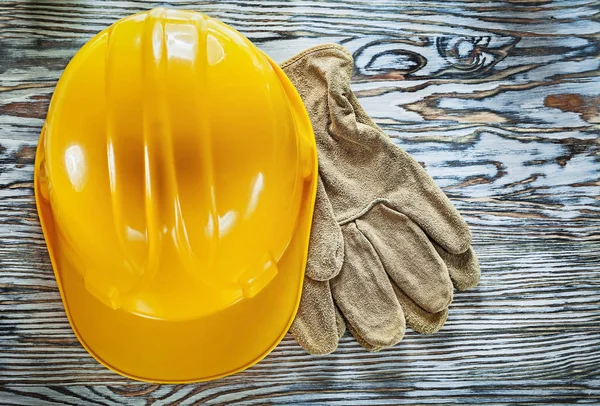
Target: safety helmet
[175, 180]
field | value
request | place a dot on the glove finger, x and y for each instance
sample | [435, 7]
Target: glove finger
[326, 247]
[408, 256]
[366, 345]
[317, 326]
[364, 294]
[463, 268]
[418, 318]
[340, 323]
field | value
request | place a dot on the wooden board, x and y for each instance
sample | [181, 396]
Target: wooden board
[499, 101]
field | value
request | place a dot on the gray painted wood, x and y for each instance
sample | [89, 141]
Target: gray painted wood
[499, 101]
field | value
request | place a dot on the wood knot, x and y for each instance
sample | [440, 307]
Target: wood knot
[388, 60]
[464, 53]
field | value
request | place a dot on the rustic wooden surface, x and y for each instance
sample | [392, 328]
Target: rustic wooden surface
[499, 100]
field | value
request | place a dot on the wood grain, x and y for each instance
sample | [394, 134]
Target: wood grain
[498, 100]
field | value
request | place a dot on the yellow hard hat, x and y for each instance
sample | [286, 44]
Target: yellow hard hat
[175, 180]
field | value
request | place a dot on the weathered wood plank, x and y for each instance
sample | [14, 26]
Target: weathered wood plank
[498, 100]
[330, 392]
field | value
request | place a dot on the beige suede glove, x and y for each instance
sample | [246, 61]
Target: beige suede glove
[387, 245]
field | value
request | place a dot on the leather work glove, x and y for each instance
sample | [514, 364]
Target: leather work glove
[387, 246]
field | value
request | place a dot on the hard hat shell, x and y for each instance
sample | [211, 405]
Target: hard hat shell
[175, 180]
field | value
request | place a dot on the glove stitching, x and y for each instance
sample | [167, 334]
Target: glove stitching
[397, 337]
[386, 202]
